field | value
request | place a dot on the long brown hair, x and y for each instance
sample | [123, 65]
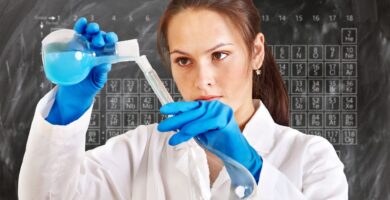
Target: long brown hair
[269, 87]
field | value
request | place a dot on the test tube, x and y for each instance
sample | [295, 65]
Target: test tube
[242, 182]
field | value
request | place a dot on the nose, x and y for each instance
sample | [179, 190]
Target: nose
[205, 77]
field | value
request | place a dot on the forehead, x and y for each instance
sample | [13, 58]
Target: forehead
[201, 27]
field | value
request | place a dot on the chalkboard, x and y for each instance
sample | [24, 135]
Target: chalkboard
[334, 57]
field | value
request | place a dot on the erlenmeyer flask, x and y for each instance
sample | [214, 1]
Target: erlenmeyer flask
[68, 57]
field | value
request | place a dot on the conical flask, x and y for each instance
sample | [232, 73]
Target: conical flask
[68, 57]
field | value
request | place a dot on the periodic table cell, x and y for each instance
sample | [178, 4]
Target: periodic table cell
[315, 120]
[333, 136]
[113, 119]
[93, 137]
[332, 86]
[298, 52]
[332, 103]
[113, 102]
[284, 68]
[315, 103]
[349, 103]
[95, 120]
[349, 52]
[282, 52]
[332, 120]
[298, 103]
[349, 35]
[147, 118]
[130, 86]
[298, 69]
[349, 69]
[145, 87]
[298, 86]
[130, 119]
[298, 119]
[131, 103]
[349, 136]
[349, 86]
[332, 69]
[349, 120]
[332, 53]
[112, 133]
[148, 103]
[315, 52]
[316, 86]
[315, 69]
[114, 86]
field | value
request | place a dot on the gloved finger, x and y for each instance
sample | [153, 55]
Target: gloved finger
[111, 38]
[178, 138]
[92, 28]
[98, 40]
[204, 125]
[99, 76]
[178, 121]
[178, 107]
[80, 25]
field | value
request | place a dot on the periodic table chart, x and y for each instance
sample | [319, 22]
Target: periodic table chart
[321, 79]
[322, 85]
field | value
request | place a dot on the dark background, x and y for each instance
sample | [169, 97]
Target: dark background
[24, 23]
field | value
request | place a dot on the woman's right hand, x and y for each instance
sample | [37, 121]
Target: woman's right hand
[72, 101]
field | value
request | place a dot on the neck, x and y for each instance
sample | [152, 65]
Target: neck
[244, 114]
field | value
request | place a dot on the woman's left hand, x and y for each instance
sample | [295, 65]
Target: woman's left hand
[213, 123]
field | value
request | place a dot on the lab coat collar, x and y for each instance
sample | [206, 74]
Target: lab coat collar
[259, 131]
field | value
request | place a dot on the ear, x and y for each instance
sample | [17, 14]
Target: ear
[258, 52]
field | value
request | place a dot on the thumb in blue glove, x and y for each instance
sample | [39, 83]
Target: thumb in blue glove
[214, 124]
[72, 101]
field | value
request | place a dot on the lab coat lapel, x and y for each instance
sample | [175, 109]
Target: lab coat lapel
[260, 130]
[192, 163]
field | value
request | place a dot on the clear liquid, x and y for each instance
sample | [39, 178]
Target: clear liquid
[67, 68]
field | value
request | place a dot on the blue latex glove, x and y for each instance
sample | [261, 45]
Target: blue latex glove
[213, 123]
[72, 101]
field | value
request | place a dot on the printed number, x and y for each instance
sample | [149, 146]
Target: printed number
[282, 18]
[316, 18]
[332, 18]
[349, 18]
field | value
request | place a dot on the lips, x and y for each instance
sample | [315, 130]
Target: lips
[208, 98]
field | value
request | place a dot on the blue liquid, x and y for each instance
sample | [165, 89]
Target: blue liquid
[67, 68]
[71, 67]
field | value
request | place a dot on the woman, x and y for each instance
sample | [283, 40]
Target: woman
[235, 102]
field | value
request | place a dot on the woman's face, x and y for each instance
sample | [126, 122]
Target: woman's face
[209, 59]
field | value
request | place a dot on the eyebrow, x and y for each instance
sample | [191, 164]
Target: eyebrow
[207, 51]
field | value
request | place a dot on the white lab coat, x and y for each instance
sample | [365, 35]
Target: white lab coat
[140, 164]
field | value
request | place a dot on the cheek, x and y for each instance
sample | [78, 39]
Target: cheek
[238, 72]
[182, 81]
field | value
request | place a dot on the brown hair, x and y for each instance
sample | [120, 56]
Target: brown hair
[269, 87]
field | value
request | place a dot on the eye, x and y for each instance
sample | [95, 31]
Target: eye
[219, 55]
[183, 61]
